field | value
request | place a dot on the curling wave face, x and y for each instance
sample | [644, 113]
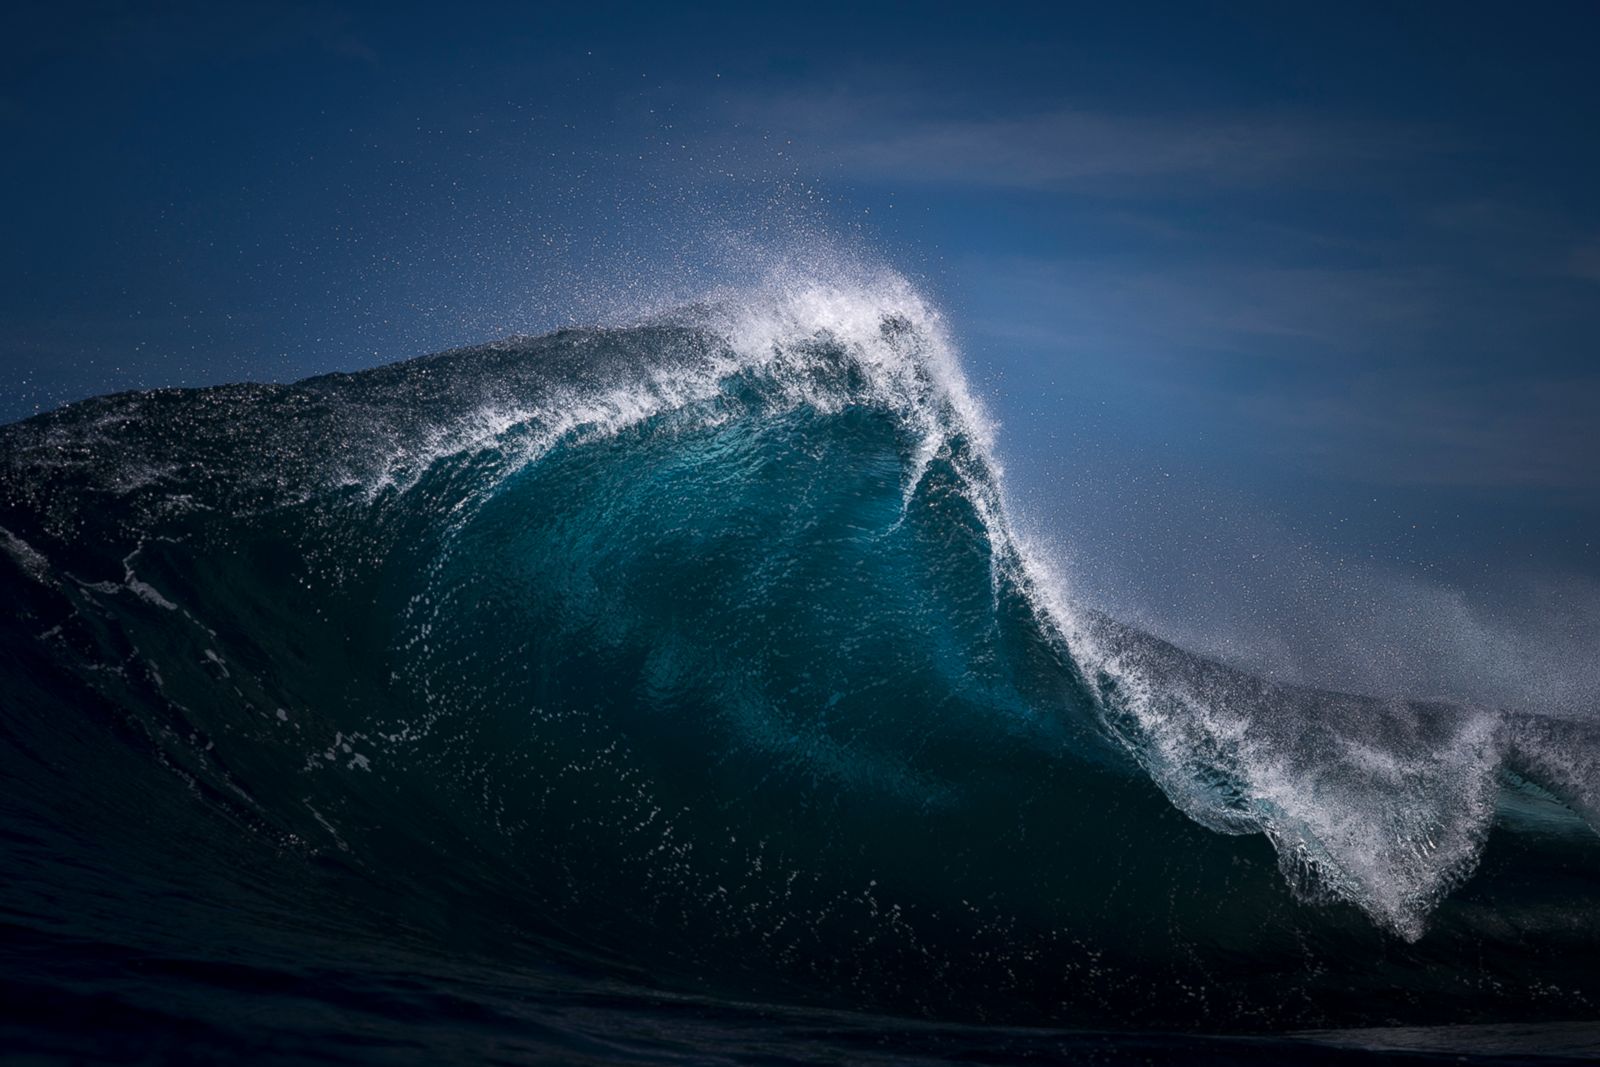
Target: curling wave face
[702, 653]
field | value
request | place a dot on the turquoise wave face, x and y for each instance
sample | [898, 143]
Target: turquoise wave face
[702, 654]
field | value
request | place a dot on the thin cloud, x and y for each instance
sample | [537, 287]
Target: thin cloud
[1064, 147]
[1504, 434]
[1274, 313]
[1586, 263]
[1379, 375]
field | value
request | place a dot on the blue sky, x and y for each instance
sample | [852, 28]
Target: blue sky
[1290, 317]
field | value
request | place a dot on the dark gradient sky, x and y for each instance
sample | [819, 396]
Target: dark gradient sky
[1290, 317]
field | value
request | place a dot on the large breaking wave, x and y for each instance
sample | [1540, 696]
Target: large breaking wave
[702, 652]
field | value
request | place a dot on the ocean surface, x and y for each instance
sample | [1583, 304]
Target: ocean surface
[683, 692]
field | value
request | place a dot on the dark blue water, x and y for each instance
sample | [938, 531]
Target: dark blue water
[682, 693]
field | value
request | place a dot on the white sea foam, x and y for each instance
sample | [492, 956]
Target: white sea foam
[890, 334]
[29, 559]
[1382, 804]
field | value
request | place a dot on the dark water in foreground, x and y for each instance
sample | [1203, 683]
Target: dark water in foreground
[682, 693]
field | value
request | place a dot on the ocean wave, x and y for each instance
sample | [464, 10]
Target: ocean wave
[706, 647]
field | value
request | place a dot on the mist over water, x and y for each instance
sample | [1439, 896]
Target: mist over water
[1215, 574]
